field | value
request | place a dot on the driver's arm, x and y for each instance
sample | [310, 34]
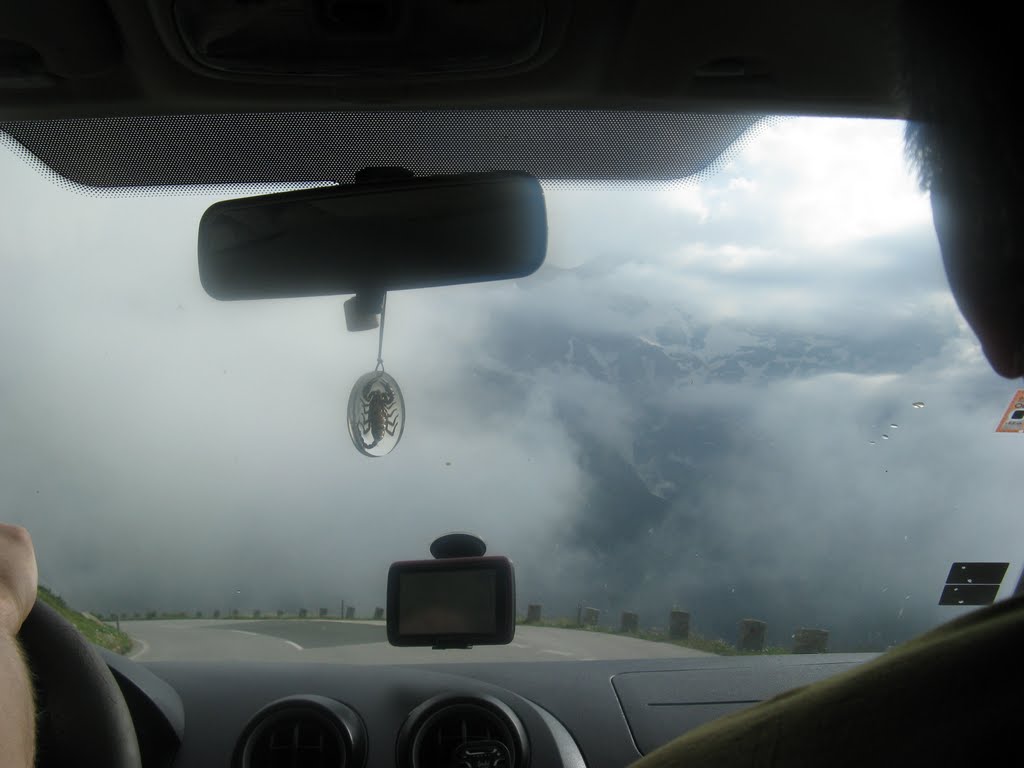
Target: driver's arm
[948, 697]
[18, 584]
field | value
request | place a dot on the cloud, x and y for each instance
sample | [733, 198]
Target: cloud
[847, 180]
[679, 408]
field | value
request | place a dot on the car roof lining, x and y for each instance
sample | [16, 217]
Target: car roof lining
[120, 58]
[105, 95]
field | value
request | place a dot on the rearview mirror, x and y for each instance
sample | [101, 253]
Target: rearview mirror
[374, 236]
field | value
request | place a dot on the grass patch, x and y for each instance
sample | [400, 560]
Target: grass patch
[695, 641]
[94, 630]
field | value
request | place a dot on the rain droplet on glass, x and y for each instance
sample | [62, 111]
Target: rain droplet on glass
[918, 404]
[894, 426]
[885, 437]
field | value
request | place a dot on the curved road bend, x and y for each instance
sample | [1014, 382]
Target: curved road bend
[357, 642]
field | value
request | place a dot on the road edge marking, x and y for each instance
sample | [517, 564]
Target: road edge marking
[142, 650]
[294, 645]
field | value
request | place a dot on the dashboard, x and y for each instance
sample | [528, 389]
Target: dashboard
[493, 715]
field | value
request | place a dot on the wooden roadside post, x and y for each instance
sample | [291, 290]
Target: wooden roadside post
[810, 641]
[678, 624]
[752, 635]
[630, 622]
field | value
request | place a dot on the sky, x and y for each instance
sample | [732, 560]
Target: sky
[690, 404]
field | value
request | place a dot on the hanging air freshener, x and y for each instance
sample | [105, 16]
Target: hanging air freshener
[376, 409]
[376, 413]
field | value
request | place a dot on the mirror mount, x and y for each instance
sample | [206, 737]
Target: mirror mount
[362, 311]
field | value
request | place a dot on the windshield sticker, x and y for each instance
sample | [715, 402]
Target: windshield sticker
[1013, 418]
[973, 583]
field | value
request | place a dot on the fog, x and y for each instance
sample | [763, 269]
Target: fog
[685, 406]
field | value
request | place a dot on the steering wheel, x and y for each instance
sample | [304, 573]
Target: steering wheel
[82, 717]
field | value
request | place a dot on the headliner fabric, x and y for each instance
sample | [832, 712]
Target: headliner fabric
[951, 696]
[330, 147]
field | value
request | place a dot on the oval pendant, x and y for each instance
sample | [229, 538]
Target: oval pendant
[376, 414]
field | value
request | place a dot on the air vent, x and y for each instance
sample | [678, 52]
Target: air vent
[303, 732]
[463, 732]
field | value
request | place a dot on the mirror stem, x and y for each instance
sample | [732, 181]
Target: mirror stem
[380, 338]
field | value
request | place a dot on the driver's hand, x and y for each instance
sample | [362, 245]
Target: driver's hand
[19, 578]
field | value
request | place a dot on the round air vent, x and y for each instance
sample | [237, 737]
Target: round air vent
[303, 732]
[463, 732]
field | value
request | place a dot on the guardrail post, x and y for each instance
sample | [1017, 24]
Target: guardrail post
[810, 641]
[630, 622]
[678, 625]
[752, 635]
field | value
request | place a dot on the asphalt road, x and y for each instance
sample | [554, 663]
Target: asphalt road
[365, 642]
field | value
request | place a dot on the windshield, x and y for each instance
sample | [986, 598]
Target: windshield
[746, 397]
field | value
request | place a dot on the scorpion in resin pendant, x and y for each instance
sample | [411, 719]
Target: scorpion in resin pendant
[376, 414]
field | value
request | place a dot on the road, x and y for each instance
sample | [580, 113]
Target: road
[364, 642]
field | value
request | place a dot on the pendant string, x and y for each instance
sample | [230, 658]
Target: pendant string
[380, 339]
